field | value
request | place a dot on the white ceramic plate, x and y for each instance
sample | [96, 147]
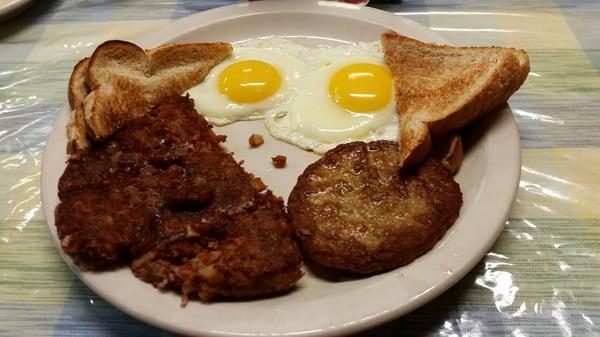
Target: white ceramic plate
[319, 306]
[9, 8]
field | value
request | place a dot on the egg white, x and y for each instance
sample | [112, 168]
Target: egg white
[218, 109]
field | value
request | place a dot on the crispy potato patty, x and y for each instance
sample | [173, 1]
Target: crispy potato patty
[351, 209]
[164, 197]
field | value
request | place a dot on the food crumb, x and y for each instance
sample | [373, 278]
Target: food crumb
[257, 184]
[279, 161]
[256, 140]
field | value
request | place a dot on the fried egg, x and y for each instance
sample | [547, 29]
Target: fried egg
[341, 102]
[250, 83]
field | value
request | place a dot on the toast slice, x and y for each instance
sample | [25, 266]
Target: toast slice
[122, 81]
[441, 89]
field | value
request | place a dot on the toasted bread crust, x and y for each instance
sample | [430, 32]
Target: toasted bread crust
[415, 142]
[77, 87]
[125, 82]
[76, 127]
[441, 89]
[449, 151]
[351, 209]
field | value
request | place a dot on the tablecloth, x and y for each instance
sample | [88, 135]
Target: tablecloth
[541, 278]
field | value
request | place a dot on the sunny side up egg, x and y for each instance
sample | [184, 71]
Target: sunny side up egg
[248, 84]
[345, 101]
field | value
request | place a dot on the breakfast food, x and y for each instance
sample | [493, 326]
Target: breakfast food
[243, 253]
[150, 186]
[441, 89]
[125, 173]
[120, 82]
[339, 103]
[351, 209]
[347, 95]
[247, 84]
[162, 193]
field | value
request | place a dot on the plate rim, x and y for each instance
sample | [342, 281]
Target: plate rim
[175, 29]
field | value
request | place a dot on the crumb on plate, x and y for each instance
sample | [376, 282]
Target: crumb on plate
[279, 161]
[256, 140]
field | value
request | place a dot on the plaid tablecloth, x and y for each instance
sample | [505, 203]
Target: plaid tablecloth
[541, 278]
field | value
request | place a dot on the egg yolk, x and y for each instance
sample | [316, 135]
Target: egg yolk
[249, 81]
[361, 87]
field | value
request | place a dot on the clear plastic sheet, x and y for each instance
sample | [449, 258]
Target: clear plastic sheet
[539, 279]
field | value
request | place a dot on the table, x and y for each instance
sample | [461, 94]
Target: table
[541, 278]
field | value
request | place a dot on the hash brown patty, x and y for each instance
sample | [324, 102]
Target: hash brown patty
[162, 195]
[352, 210]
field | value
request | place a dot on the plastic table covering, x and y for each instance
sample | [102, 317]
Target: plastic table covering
[541, 278]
